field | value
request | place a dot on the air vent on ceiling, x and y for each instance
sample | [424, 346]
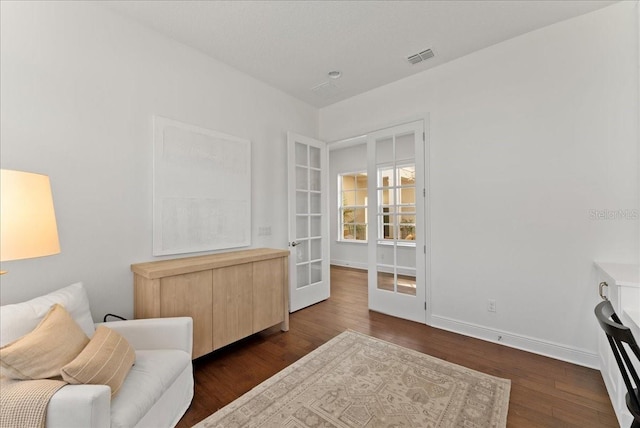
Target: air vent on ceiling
[326, 90]
[422, 56]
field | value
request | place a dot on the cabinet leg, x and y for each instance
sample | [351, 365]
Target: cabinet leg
[284, 325]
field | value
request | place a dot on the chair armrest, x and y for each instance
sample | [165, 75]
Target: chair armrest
[79, 406]
[156, 333]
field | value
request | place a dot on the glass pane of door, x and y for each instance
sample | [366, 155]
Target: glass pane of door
[396, 251]
[397, 262]
[308, 200]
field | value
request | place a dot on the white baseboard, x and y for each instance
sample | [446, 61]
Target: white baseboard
[525, 343]
[529, 344]
[350, 264]
[365, 266]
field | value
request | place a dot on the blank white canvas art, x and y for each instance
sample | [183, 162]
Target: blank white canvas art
[201, 189]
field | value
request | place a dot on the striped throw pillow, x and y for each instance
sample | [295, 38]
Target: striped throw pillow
[106, 360]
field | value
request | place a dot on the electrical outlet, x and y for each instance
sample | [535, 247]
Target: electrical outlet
[491, 305]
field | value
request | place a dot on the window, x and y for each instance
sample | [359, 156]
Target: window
[397, 202]
[352, 206]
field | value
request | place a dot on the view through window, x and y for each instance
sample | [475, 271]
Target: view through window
[353, 206]
[396, 204]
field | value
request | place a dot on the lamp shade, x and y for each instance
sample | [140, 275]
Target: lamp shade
[28, 221]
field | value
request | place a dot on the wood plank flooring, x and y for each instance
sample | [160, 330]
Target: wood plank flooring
[544, 392]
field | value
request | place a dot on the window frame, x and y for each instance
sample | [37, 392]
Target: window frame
[342, 206]
[395, 189]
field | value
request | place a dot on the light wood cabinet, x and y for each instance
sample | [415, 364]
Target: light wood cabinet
[229, 295]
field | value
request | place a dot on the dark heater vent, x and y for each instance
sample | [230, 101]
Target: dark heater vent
[422, 56]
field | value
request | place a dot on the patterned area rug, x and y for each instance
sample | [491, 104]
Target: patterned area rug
[358, 381]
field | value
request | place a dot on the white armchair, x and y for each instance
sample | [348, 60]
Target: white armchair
[156, 392]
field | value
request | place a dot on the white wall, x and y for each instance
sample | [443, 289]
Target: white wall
[526, 137]
[79, 88]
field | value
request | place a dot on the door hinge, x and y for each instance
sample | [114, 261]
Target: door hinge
[424, 192]
[423, 138]
[425, 249]
[425, 306]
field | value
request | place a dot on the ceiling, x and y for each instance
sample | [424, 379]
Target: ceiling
[292, 45]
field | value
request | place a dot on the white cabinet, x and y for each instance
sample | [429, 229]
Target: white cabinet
[620, 283]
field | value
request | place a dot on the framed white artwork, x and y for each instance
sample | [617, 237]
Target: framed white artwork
[201, 189]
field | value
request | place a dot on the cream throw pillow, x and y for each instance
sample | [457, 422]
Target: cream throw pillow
[40, 354]
[18, 319]
[106, 360]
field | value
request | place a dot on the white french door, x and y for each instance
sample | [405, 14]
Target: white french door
[308, 225]
[396, 217]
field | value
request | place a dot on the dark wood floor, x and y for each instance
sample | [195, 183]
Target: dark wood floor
[544, 392]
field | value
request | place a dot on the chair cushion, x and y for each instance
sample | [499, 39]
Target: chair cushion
[40, 354]
[18, 319]
[153, 373]
[106, 360]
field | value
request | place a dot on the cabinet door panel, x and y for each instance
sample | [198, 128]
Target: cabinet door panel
[190, 295]
[268, 293]
[232, 303]
[146, 297]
